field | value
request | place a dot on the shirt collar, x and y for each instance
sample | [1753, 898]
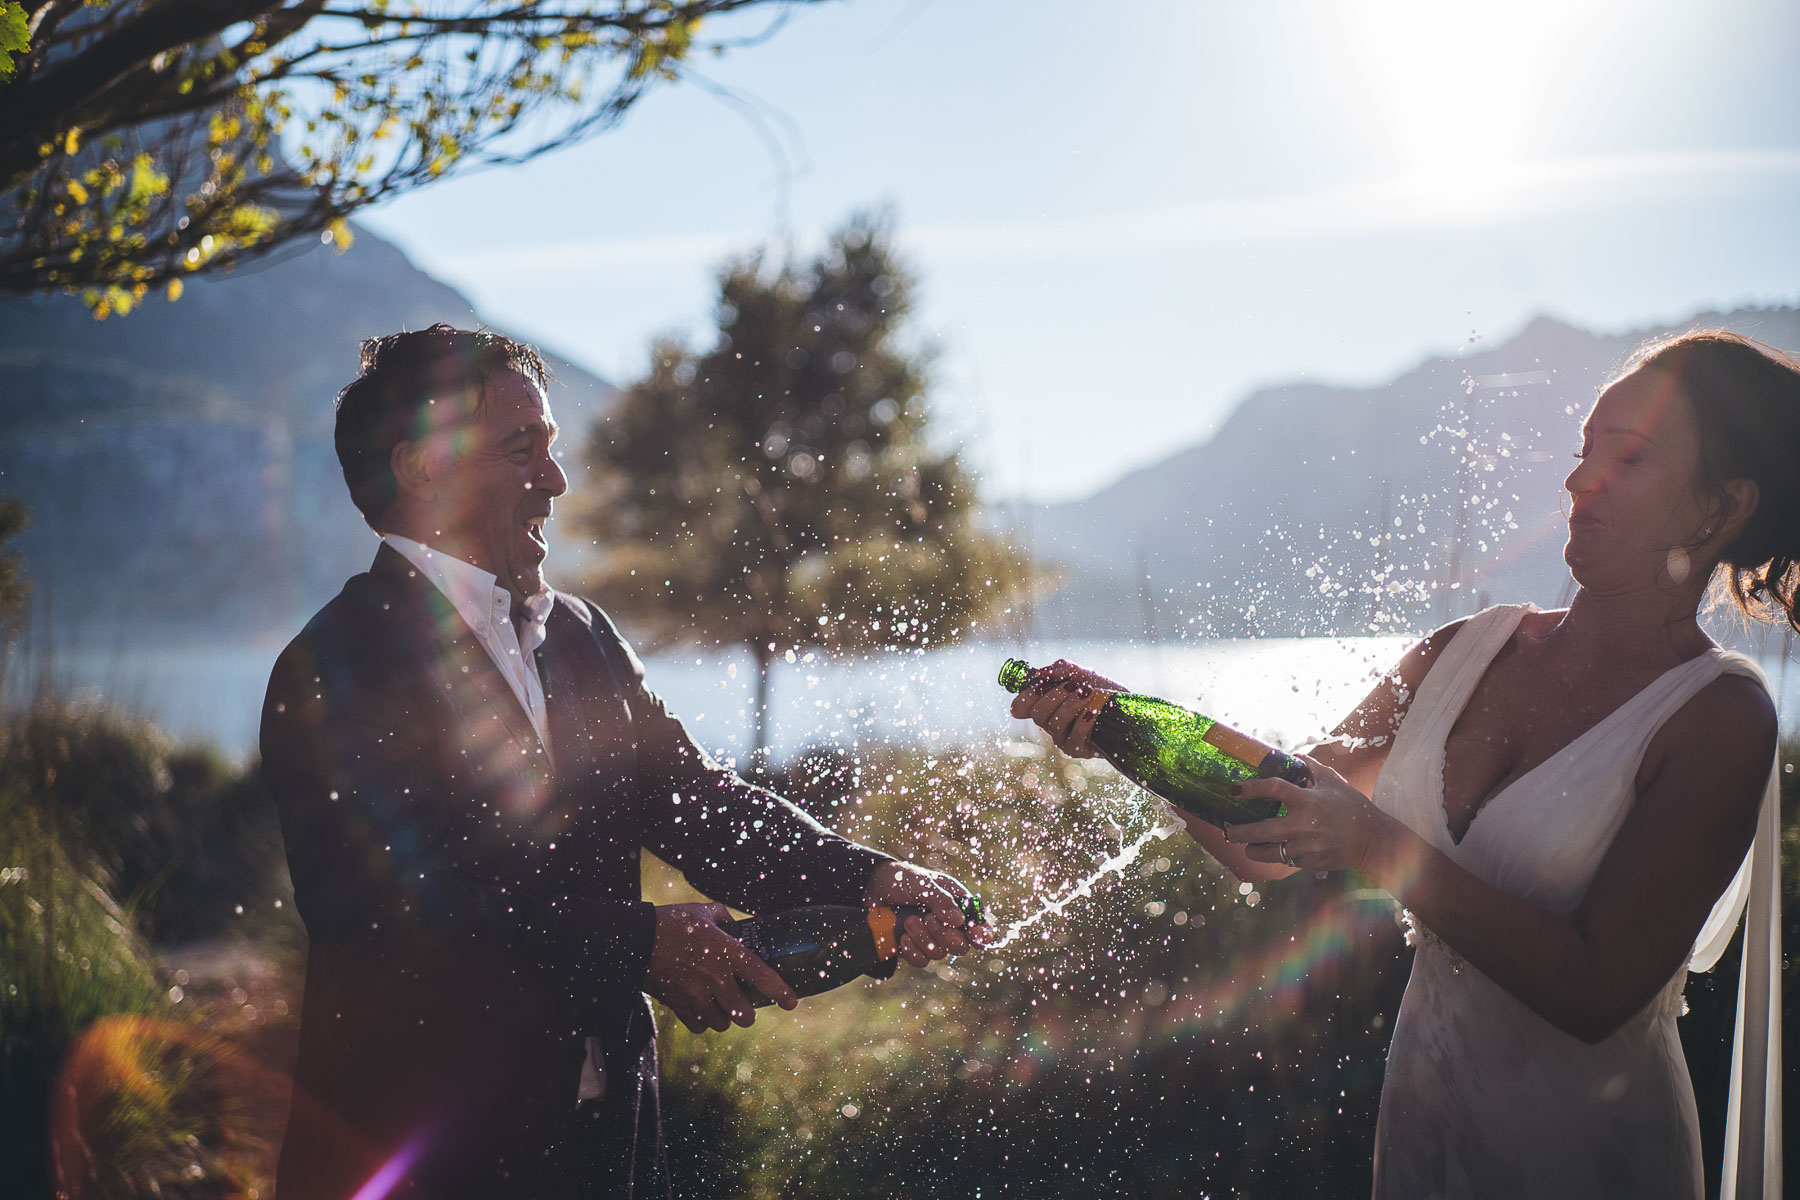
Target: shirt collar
[537, 615]
[476, 594]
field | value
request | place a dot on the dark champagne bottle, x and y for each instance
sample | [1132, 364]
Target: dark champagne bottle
[823, 946]
[1188, 759]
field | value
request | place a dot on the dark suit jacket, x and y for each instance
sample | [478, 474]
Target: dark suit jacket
[474, 912]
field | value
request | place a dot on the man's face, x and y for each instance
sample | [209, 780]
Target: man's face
[496, 483]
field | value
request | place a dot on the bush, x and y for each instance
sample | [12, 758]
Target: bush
[1168, 1034]
[187, 841]
[1171, 1034]
[96, 966]
[113, 837]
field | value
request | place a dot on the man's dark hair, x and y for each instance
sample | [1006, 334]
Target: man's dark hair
[402, 374]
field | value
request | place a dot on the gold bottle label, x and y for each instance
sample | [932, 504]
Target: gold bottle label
[1242, 747]
[1094, 704]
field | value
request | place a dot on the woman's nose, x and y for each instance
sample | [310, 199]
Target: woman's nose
[1584, 478]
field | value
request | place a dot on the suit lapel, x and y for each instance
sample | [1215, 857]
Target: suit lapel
[589, 718]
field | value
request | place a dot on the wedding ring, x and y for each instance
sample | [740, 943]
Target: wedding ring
[1285, 860]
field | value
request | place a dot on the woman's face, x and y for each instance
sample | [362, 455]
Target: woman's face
[1633, 495]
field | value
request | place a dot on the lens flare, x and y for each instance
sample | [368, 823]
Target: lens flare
[152, 1075]
[391, 1172]
[1320, 947]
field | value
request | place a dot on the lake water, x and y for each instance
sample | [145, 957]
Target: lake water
[1287, 690]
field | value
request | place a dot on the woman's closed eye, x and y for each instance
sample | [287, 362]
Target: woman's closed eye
[1629, 458]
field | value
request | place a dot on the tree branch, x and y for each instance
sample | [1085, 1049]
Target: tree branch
[44, 102]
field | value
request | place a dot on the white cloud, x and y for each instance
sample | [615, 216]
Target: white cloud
[1514, 190]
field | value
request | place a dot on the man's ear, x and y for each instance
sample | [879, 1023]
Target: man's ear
[413, 469]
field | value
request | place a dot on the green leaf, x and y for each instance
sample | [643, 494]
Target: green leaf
[14, 35]
[147, 182]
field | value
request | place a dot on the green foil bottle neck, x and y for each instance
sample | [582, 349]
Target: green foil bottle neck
[1015, 673]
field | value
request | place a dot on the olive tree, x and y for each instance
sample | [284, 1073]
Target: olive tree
[144, 140]
[780, 489]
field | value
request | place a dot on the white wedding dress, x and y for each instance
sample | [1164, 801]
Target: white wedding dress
[1483, 1097]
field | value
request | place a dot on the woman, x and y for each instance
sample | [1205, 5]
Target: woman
[1559, 800]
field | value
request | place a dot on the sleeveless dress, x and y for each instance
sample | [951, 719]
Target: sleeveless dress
[1483, 1097]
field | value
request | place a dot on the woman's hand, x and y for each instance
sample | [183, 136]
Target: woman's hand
[1057, 699]
[1329, 826]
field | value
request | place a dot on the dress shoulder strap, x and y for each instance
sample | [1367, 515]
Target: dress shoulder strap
[1405, 787]
[1459, 667]
[1638, 719]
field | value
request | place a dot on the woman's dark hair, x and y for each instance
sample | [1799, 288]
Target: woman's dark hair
[401, 374]
[1745, 398]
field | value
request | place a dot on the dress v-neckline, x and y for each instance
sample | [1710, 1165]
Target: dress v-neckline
[1443, 752]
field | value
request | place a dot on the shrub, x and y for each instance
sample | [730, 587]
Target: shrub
[1168, 1034]
[186, 841]
[96, 966]
[112, 837]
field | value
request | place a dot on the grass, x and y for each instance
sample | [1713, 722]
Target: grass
[1171, 1034]
[70, 960]
[111, 1084]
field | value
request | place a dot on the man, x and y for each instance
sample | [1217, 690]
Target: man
[466, 765]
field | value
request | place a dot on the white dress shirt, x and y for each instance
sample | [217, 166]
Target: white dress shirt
[487, 608]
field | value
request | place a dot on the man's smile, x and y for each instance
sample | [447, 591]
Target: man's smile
[534, 529]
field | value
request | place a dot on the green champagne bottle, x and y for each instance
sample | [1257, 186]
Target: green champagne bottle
[823, 946]
[1188, 759]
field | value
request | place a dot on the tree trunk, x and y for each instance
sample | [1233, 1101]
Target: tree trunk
[759, 750]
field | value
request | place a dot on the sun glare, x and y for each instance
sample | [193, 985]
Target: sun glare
[1455, 83]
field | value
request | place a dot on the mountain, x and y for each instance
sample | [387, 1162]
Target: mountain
[178, 461]
[179, 468]
[1318, 509]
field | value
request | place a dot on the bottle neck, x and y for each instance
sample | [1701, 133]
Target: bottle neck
[884, 925]
[886, 922]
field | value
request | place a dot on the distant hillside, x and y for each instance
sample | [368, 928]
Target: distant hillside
[178, 461]
[1320, 509]
[179, 468]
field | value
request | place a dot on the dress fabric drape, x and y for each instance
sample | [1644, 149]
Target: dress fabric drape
[1483, 1097]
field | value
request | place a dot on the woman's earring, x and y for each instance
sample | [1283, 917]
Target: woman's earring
[1679, 565]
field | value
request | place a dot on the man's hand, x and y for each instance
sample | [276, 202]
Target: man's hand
[941, 931]
[695, 967]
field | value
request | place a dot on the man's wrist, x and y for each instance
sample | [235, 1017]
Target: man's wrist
[881, 874]
[893, 874]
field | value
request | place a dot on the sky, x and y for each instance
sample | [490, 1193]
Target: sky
[1126, 217]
